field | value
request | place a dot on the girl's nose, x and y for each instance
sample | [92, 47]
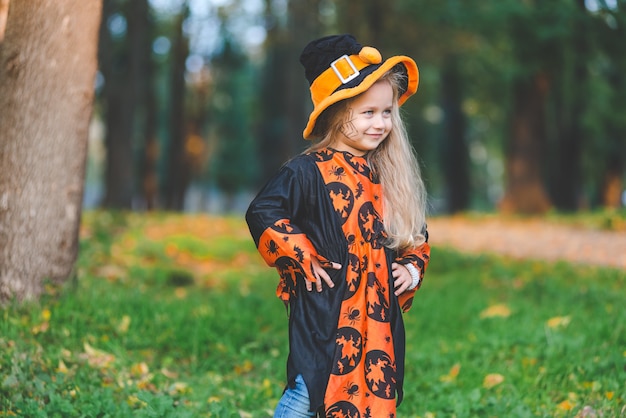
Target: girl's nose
[379, 122]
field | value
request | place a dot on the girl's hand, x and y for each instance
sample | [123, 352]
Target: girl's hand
[321, 274]
[402, 279]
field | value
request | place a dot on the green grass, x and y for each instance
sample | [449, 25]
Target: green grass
[175, 316]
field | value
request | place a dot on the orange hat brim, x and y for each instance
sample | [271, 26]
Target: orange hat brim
[366, 83]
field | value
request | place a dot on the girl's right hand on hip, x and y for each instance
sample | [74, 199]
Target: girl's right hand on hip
[321, 274]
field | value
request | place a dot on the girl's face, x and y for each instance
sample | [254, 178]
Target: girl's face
[367, 121]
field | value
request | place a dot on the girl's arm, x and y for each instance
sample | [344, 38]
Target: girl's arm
[272, 220]
[418, 259]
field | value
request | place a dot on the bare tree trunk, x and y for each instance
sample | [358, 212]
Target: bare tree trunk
[178, 173]
[145, 123]
[285, 95]
[525, 191]
[368, 21]
[302, 28]
[47, 69]
[455, 156]
[567, 174]
[119, 105]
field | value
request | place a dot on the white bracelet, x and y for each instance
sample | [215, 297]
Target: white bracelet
[415, 275]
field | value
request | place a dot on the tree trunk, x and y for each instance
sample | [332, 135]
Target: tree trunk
[302, 29]
[145, 123]
[285, 94]
[119, 112]
[567, 173]
[47, 69]
[367, 21]
[455, 157]
[525, 192]
[178, 173]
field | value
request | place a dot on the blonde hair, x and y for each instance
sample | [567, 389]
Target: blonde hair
[395, 164]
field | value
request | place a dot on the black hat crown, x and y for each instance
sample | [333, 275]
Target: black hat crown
[319, 54]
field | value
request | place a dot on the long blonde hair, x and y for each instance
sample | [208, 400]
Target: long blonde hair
[395, 164]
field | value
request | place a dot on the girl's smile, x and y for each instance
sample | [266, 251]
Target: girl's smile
[368, 120]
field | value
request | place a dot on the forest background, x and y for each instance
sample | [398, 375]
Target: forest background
[520, 105]
[192, 105]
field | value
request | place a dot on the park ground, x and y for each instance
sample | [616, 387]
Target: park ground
[175, 315]
[598, 240]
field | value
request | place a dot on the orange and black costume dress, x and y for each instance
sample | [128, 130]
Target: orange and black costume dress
[348, 341]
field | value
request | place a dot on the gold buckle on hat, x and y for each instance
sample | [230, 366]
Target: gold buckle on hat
[355, 73]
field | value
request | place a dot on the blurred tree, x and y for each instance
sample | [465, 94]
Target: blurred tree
[119, 103]
[48, 63]
[534, 30]
[371, 22]
[455, 156]
[177, 175]
[284, 90]
[140, 37]
[128, 103]
[233, 164]
[610, 25]
[569, 79]
[440, 37]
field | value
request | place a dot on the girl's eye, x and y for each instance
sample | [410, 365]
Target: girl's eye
[368, 112]
[387, 112]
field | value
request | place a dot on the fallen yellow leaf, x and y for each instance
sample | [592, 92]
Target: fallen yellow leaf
[97, 358]
[246, 367]
[492, 379]
[62, 368]
[43, 327]
[179, 388]
[135, 402]
[500, 310]
[45, 315]
[169, 374]
[452, 374]
[558, 321]
[566, 405]
[122, 327]
[139, 369]
[171, 250]
[180, 292]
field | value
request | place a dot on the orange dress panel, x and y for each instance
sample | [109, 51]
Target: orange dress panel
[363, 378]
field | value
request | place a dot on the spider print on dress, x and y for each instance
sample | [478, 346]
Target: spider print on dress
[353, 315]
[351, 390]
[338, 172]
[271, 247]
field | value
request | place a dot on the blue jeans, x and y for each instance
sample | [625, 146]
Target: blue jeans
[295, 402]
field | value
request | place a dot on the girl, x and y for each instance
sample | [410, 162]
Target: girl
[344, 224]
